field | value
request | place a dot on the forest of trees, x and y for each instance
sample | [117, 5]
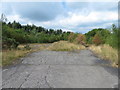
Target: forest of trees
[98, 37]
[14, 34]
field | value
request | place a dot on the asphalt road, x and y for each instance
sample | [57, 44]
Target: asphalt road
[51, 69]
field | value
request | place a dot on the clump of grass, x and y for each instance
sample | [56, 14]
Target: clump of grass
[65, 46]
[27, 47]
[10, 56]
[106, 52]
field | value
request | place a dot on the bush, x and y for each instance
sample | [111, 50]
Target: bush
[9, 43]
[97, 39]
[80, 39]
[72, 37]
[113, 38]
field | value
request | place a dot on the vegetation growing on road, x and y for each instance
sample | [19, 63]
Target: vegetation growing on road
[65, 46]
[106, 52]
[14, 34]
[9, 56]
[105, 43]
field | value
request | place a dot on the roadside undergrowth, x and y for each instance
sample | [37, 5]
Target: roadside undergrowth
[106, 52]
[65, 46]
[10, 56]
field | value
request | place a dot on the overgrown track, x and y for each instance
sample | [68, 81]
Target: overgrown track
[51, 69]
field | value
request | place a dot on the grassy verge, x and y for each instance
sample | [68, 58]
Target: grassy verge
[106, 52]
[65, 46]
[10, 56]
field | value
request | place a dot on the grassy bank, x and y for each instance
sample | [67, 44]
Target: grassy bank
[106, 52]
[65, 46]
[10, 56]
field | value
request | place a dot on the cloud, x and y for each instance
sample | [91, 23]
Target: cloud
[92, 6]
[43, 11]
[71, 16]
[77, 20]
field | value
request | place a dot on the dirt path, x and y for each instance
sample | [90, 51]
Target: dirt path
[51, 69]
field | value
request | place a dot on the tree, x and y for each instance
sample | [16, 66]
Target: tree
[51, 31]
[59, 31]
[97, 39]
[102, 32]
[113, 38]
[80, 39]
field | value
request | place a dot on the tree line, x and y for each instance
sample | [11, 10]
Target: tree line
[97, 36]
[14, 34]
[104, 36]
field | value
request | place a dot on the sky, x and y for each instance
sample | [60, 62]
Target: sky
[69, 16]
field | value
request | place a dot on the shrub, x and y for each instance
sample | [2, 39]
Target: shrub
[9, 43]
[80, 39]
[72, 37]
[113, 38]
[97, 39]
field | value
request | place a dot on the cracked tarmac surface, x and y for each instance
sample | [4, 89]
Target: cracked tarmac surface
[51, 69]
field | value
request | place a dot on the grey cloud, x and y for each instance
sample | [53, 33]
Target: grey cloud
[38, 11]
[48, 11]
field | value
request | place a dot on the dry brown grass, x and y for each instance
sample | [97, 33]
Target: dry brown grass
[106, 52]
[10, 56]
[65, 46]
[36, 47]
